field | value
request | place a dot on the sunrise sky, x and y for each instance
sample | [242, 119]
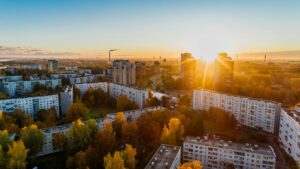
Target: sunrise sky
[147, 28]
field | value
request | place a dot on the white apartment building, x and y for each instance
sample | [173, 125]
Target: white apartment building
[289, 132]
[219, 154]
[83, 87]
[83, 79]
[165, 157]
[22, 87]
[66, 99]
[62, 75]
[30, 105]
[49, 133]
[123, 72]
[256, 113]
[138, 96]
[10, 78]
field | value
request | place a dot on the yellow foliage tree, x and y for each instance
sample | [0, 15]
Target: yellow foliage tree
[172, 133]
[115, 162]
[191, 165]
[17, 154]
[120, 117]
[128, 156]
[33, 138]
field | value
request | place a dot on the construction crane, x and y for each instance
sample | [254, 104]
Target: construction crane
[109, 53]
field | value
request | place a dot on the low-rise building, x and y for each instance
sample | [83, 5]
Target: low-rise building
[21, 87]
[289, 132]
[251, 112]
[220, 154]
[165, 157]
[49, 133]
[62, 75]
[11, 78]
[30, 105]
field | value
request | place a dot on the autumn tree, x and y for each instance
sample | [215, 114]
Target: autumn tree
[88, 97]
[17, 154]
[76, 111]
[49, 117]
[128, 155]
[58, 141]
[123, 104]
[173, 132]
[118, 122]
[21, 118]
[191, 165]
[78, 136]
[78, 161]
[5, 140]
[92, 125]
[151, 100]
[33, 139]
[114, 162]
[130, 133]
[3, 158]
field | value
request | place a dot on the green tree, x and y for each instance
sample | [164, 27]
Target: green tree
[78, 136]
[115, 162]
[5, 140]
[33, 139]
[77, 111]
[17, 154]
[3, 158]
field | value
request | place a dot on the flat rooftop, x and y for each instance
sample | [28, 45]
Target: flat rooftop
[258, 149]
[163, 157]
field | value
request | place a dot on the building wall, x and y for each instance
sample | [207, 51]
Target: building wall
[124, 72]
[22, 87]
[66, 99]
[85, 86]
[84, 79]
[30, 105]
[248, 111]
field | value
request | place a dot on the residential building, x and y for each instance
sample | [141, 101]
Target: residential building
[63, 75]
[30, 105]
[32, 67]
[83, 79]
[251, 112]
[165, 157]
[224, 71]
[138, 96]
[214, 153]
[11, 78]
[124, 72]
[289, 131]
[53, 66]
[22, 87]
[49, 133]
[83, 87]
[66, 99]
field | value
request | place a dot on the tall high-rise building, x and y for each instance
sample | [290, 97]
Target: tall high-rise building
[223, 75]
[53, 66]
[124, 72]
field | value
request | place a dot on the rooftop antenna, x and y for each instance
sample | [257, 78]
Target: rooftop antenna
[109, 53]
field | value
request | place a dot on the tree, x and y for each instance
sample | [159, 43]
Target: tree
[118, 122]
[3, 158]
[17, 154]
[123, 104]
[58, 141]
[76, 111]
[88, 97]
[128, 156]
[92, 125]
[33, 139]
[5, 140]
[130, 133]
[172, 134]
[78, 136]
[21, 118]
[78, 161]
[2, 121]
[49, 117]
[191, 165]
[115, 162]
[152, 101]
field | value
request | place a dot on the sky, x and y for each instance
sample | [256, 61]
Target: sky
[149, 28]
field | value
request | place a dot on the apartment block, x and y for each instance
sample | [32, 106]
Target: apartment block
[66, 99]
[83, 87]
[251, 112]
[213, 153]
[83, 79]
[289, 131]
[10, 78]
[165, 157]
[13, 88]
[124, 72]
[30, 105]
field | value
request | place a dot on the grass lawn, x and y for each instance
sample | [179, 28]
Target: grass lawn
[99, 112]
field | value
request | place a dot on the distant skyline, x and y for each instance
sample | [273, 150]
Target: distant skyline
[51, 28]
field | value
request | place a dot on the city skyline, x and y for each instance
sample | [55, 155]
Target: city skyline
[146, 29]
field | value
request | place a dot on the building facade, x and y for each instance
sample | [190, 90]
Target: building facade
[165, 157]
[53, 66]
[62, 75]
[124, 72]
[83, 87]
[30, 105]
[250, 112]
[221, 154]
[83, 79]
[289, 132]
[22, 87]
[49, 133]
[66, 99]
[10, 78]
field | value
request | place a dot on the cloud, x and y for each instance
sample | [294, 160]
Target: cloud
[28, 51]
